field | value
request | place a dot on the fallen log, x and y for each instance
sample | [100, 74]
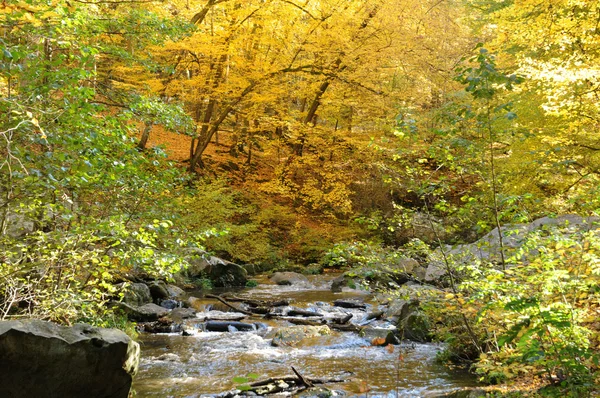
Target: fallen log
[374, 315]
[224, 326]
[288, 384]
[345, 328]
[342, 320]
[304, 321]
[370, 317]
[301, 312]
[278, 303]
[260, 310]
[293, 379]
[257, 303]
[224, 316]
[349, 303]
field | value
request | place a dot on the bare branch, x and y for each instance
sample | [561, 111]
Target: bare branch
[301, 9]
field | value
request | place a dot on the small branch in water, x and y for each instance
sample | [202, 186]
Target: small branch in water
[257, 303]
[342, 320]
[269, 386]
[304, 381]
[229, 304]
[303, 321]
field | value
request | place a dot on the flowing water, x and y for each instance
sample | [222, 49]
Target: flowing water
[205, 364]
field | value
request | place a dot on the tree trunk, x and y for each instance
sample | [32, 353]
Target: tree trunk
[204, 138]
[199, 17]
[208, 115]
[336, 67]
[145, 136]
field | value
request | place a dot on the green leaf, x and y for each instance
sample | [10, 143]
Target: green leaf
[521, 304]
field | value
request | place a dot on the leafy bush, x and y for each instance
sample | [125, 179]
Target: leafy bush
[374, 265]
[251, 283]
[537, 316]
[71, 276]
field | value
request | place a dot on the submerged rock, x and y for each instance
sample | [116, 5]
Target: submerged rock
[169, 357]
[195, 303]
[42, 359]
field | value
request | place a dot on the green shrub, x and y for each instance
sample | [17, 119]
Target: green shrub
[251, 283]
[537, 316]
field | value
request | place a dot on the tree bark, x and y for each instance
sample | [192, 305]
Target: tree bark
[204, 138]
[198, 18]
[336, 67]
[145, 136]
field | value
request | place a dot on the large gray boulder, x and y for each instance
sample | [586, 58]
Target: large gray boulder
[221, 272]
[397, 310]
[175, 291]
[42, 359]
[342, 281]
[289, 278]
[226, 274]
[144, 313]
[513, 237]
[158, 291]
[136, 294]
[294, 335]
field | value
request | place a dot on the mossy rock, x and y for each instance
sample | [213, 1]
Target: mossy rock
[417, 327]
[294, 335]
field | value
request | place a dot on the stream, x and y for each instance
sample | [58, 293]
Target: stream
[204, 364]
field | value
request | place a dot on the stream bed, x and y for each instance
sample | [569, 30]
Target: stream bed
[204, 364]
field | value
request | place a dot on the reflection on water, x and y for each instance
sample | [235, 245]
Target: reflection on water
[204, 364]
